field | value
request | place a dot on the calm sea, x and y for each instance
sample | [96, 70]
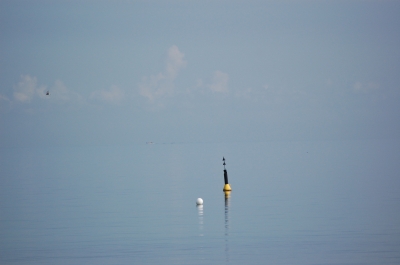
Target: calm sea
[316, 202]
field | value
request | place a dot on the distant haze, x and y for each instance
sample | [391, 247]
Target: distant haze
[127, 72]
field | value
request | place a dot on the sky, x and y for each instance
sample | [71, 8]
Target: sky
[130, 72]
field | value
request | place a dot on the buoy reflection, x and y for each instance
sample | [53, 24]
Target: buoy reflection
[200, 213]
[227, 202]
[227, 198]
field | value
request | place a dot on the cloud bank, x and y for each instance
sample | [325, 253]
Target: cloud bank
[28, 90]
[162, 84]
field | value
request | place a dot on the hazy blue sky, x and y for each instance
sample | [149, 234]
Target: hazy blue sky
[122, 72]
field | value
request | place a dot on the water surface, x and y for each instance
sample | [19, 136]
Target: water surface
[316, 202]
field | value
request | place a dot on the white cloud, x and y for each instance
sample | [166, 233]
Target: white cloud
[4, 103]
[114, 95]
[357, 86]
[174, 62]
[28, 90]
[25, 90]
[220, 82]
[199, 83]
[244, 93]
[60, 92]
[365, 88]
[156, 86]
[2, 97]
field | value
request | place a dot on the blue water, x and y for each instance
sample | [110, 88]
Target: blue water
[316, 202]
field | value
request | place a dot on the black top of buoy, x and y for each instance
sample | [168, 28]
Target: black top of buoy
[225, 172]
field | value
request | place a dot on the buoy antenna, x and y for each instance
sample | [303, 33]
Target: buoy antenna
[223, 159]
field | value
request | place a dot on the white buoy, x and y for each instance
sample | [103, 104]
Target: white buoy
[199, 201]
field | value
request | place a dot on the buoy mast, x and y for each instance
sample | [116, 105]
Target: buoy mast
[227, 187]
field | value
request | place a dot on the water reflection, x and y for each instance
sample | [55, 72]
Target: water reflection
[227, 201]
[200, 213]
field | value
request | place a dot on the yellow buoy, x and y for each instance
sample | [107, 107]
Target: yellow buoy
[227, 188]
